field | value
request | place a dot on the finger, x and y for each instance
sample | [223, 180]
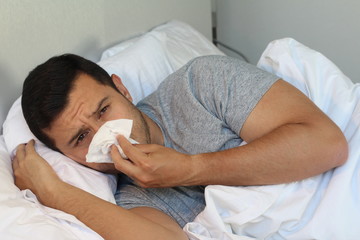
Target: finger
[20, 152]
[122, 139]
[147, 148]
[15, 163]
[121, 164]
[130, 150]
[30, 146]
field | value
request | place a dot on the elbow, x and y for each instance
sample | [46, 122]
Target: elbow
[339, 150]
[342, 153]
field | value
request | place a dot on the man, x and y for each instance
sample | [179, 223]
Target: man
[189, 130]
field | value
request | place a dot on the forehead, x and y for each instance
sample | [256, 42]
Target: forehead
[85, 96]
[83, 99]
[84, 83]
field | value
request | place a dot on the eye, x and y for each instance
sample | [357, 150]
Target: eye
[103, 110]
[81, 137]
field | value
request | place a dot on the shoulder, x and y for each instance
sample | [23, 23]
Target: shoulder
[220, 72]
[221, 68]
[217, 62]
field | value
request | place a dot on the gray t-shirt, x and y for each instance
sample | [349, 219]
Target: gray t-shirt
[200, 108]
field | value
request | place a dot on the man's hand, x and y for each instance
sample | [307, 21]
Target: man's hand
[151, 165]
[31, 171]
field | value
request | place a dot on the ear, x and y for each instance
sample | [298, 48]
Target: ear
[121, 87]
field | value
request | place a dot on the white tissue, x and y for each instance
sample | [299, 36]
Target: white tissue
[99, 149]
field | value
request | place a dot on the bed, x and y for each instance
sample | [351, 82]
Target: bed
[323, 207]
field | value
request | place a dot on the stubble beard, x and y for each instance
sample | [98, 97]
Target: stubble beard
[146, 128]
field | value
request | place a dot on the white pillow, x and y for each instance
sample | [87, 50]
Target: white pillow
[141, 66]
[119, 47]
[184, 43]
[315, 75]
[7, 188]
[145, 61]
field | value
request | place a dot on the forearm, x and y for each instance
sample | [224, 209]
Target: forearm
[108, 220]
[276, 157]
[289, 138]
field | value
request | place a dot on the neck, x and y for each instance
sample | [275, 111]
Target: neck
[156, 135]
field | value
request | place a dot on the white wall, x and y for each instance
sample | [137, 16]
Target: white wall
[331, 27]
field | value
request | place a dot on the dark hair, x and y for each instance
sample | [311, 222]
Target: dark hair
[47, 87]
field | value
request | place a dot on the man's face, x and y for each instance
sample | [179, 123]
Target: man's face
[90, 105]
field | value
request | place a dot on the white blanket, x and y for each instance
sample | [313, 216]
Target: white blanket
[323, 207]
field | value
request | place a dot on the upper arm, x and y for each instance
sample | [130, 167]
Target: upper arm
[160, 218]
[283, 104]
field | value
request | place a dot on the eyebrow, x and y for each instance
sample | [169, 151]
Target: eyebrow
[101, 102]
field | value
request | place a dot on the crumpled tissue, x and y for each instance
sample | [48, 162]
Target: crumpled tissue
[99, 149]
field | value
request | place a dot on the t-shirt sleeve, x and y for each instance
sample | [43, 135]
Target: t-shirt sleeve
[229, 88]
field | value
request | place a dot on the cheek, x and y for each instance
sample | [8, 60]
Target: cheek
[113, 116]
[82, 155]
[121, 109]
[118, 110]
[78, 156]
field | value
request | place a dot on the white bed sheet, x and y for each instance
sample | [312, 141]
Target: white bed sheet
[323, 207]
